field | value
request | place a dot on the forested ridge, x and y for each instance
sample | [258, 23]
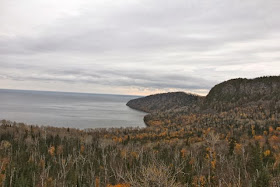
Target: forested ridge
[222, 97]
[231, 137]
[164, 101]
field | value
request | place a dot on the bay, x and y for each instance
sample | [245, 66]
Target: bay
[63, 109]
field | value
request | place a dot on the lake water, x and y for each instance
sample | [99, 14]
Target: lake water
[77, 110]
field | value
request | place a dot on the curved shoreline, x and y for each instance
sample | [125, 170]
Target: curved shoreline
[147, 113]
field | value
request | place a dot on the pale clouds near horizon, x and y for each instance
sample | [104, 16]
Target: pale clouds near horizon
[136, 46]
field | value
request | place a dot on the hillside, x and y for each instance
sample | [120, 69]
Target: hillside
[243, 92]
[162, 102]
[237, 101]
[222, 97]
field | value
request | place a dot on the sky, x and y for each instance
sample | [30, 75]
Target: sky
[136, 47]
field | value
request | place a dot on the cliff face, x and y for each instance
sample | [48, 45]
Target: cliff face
[241, 92]
[163, 102]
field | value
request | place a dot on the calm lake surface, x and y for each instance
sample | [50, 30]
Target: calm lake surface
[77, 110]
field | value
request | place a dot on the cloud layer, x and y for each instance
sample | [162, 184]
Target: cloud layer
[136, 47]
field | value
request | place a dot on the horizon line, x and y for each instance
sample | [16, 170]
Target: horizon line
[69, 92]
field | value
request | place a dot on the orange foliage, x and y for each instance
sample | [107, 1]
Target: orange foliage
[183, 151]
[238, 148]
[5, 144]
[199, 181]
[97, 182]
[266, 153]
[4, 163]
[270, 130]
[156, 123]
[123, 153]
[51, 150]
[213, 164]
[82, 150]
[258, 138]
[274, 140]
[134, 154]
[192, 161]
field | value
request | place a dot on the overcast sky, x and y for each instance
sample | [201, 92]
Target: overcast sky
[136, 46]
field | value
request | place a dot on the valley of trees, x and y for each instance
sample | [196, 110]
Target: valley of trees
[199, 142]
[170, 155]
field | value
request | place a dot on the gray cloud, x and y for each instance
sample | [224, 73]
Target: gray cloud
[149, 44]
[116, 78]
